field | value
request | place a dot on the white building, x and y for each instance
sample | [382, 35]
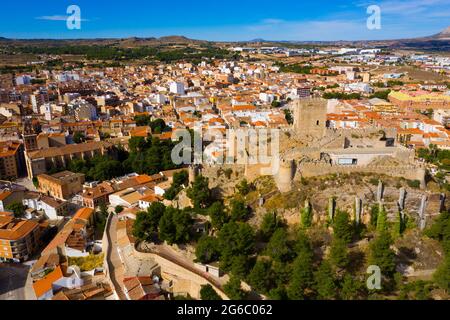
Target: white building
[53, 209]
[67, 76]
[23, 80]
[359, 87]
[83, 110]
[266, 97]
[442, 116]
[46, 110]
[177, 88]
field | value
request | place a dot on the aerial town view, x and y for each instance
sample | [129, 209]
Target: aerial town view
[273, 151]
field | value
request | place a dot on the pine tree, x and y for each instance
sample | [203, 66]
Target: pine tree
[374, 215]
[351, 288]
[279, 247]
[325, 284]
[207, 292]
[269, 224]
[199, 192]
[382, 221]
[233, 289]
[442, 275]
[343, 227]
[306, 215]
[302, 274]
[207, 250]
[261, 277]
[339, 254]
[217, 214]
[382, 255]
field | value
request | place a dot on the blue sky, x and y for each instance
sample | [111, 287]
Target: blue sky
[225, 20]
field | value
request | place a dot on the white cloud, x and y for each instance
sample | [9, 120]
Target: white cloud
[272, 21]
[52, 18]
[408, 7]
[56, 18]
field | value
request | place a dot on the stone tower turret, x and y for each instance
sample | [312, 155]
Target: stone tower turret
[285, 176]
[310, 117]
[193, 172]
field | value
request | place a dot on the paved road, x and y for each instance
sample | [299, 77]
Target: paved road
[115, 266]
[15, 282]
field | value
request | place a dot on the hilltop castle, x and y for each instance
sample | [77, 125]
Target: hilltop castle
[330, 151]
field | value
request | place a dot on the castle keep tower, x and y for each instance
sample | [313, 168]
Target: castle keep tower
[310, 117]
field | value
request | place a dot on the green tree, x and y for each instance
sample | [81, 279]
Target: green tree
[142, 120]
[303, 244]
[181, 178]
[207, 250]
[270, 223]
[279, 247]
[278, 293]
[118, 209]
[79, 137]
[175, 226]
[374, 215]
[282, 272]
[228, 172]
[342, 226]
[142, 227]
[100, 218]
[442, 275]
[158, 126]
[276, 104]
[243, 187]
[147, 222]
[382, 255]
[302, 277]
[155, 213]
[440, 231]
[199, 192]
[261, 277]
[306, 215]
[105, 169]
[325, 283]
[207, 292]
[339, 254]
[239, 210]
[351, 288]
[137, 144]
[218, 215]
[36, 182]
[233, 289]
[240, 266]
[235, 238]
[17, 208]
[382, 220]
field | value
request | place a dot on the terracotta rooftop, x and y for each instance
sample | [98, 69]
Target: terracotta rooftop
[15, 229]
[46, 284]
[69, 149]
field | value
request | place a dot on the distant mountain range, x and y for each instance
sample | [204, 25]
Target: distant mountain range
[437, 42]
[444, 35]
[122, 42]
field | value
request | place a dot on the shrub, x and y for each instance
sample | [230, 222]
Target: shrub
[414, 184]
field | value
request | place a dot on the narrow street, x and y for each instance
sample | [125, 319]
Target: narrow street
[115, 266]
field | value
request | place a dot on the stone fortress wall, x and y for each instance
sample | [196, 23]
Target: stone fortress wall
[184, 279]
[310, 123]
[409, 172]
